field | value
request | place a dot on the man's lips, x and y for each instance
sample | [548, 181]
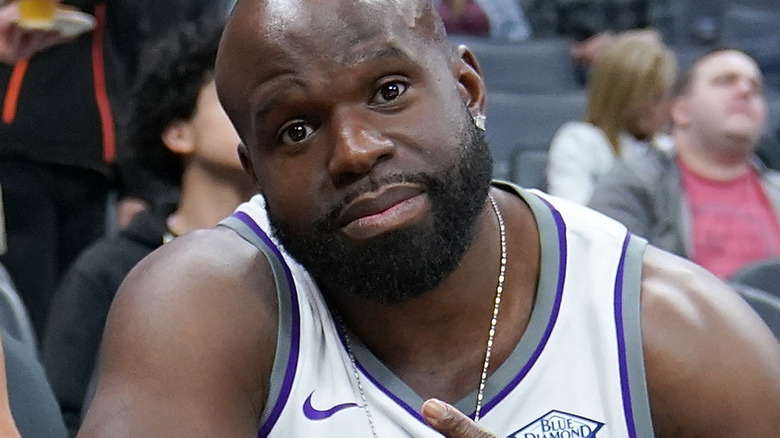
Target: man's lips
[383, 210]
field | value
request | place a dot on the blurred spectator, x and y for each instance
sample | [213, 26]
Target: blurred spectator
[497, 19]
[58, 137]
[180, 133]
[150, 20]
[57, 144]
[627, 110]
[709, 199]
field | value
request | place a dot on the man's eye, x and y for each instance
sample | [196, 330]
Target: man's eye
[296, 132]
[389, 92]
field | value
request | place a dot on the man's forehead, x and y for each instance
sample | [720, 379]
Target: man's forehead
[728, 61]
[284, 16]
[306, 31]
[268, 38]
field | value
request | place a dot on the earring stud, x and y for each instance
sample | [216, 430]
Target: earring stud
[479, 121]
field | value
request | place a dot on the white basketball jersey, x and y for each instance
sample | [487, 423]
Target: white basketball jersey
[577, 371]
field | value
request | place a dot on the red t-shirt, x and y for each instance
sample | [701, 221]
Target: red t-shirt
[733, 221]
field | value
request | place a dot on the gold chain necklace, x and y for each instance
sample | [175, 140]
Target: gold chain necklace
[491, 333]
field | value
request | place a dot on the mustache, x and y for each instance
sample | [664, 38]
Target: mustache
[428, 182]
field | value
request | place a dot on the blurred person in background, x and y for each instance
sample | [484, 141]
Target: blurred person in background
[60, 95]
[709, 199]
[627, 111]
[60, 146]
[180, 134]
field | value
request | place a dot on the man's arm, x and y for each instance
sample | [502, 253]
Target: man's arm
[189, 343]
[713, 367]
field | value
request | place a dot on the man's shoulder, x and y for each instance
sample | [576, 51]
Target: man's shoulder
[703, 344]
[644, 172]
[197, 318]
[199, 271]
[203, 257]
[207, 281]
[771, 176]
[650, 164]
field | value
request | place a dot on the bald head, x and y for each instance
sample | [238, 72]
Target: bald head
[268, 33]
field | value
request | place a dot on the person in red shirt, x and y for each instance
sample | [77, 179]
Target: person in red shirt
[709, 199]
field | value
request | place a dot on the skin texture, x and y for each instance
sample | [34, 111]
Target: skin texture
[307, 92]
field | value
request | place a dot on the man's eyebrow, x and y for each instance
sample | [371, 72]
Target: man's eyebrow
[375, 54]
[275, 96]
[388, 51]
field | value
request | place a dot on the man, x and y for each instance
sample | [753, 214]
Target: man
[709, 199]
[361, 128]
[181, 135]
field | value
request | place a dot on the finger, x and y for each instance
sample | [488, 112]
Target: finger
[450, 422]
[16, 41]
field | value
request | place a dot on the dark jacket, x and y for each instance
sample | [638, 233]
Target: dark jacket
[69, 97]
[81, 303]
[72, 97]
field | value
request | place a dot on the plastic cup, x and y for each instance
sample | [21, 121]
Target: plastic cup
[37, 14]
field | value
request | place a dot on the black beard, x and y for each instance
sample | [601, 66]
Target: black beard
[403, 264]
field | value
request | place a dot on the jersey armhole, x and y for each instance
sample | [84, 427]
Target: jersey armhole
[628, 283]
[288, 336]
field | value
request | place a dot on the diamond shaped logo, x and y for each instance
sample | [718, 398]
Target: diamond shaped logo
[557, 424]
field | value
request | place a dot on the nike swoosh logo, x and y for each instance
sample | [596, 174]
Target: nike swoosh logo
[313, 413]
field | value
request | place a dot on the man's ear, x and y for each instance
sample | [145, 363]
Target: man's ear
[246, 163]
[470, 82]
[680, 112]
[178, 137]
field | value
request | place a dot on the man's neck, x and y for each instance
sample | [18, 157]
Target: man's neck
[722, 159]
[207, 198]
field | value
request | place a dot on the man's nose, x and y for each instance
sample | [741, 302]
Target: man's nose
[358, 146]
[746, 86]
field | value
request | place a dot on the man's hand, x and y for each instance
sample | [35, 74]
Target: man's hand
[17, 43]
[450, 422]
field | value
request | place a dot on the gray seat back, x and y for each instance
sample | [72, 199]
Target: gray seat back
[527, 119]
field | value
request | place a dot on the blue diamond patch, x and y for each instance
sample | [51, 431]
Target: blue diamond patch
[557, 424]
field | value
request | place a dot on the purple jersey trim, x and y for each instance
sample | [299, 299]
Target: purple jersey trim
[628, 408]
[562, 251]
[295, 328]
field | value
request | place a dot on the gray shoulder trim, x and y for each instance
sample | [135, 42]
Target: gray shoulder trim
[288, 336]
[636, 403]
